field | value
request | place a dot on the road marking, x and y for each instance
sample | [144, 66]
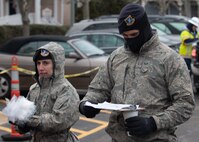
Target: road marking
[77, 130]
[5, 129]
[106, 111]
[91, 131]
[93, 120]
[82, 133]
[103, 125]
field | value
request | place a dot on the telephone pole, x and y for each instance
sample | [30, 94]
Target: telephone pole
[187, 8]
[86, 11]
[72, 12]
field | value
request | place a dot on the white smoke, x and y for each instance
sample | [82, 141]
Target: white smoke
[19, 108]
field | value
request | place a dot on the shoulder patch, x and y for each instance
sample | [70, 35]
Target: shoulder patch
[129, 20]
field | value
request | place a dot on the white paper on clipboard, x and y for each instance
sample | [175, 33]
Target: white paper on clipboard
[111, 106]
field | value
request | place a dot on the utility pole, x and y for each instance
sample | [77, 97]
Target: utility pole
[187, 8]
[180, 3]
[198, 7]
[1, 8]
[86, 11]
[62, 11]
[72, 2]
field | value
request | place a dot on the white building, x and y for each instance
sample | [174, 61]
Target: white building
[58, 12]
[52, 12]
[187, 8]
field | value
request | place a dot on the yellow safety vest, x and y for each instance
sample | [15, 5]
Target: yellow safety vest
[186, 49]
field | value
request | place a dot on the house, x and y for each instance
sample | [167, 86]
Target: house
[187, 8]
[52, 12]
[60, 12]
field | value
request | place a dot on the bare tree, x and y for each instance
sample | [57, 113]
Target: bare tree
[24, 10]
[164, 5]
[86, 10]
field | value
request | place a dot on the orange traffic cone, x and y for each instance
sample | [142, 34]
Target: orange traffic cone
[14, 135]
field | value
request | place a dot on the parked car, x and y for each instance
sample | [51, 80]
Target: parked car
[110, 39]
[107, 41]
[170, 24]
[81, 56]
[195, 68]
[92, 25]
[172, 41]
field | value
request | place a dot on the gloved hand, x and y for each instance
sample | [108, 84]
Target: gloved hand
[139, 126]
[21, 127]
[34, 122]
[88, 111]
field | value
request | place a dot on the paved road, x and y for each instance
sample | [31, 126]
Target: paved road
[92, 130]
[189, 131]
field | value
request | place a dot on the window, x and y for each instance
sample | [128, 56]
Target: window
[106, 40]
[94, 39]
[28, 49]
[42, 43]
[68, 49]
[87, 48]
[162, 27]
[101, 26]
[178, 25]
[120, 42]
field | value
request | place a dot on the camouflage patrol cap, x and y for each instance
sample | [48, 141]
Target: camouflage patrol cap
[132, 16]
[42, 54]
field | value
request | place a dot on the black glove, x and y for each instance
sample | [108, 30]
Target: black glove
[21, 127]
[88, 111]
[139, 126]
[34, 122]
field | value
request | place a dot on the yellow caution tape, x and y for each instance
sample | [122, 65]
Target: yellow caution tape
[66, 76]
[4, 71]
[26, 71]
[80, 74]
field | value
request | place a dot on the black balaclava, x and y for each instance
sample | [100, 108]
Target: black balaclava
[133, 16]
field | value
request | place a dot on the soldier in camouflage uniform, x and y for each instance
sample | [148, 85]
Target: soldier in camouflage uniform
[144, 72]
[55, 98]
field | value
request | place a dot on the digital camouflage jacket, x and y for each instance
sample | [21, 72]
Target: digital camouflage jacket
[56, 101]
[157, 79]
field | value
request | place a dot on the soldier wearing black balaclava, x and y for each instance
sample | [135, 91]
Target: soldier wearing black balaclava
[147, 73]
[134, 18]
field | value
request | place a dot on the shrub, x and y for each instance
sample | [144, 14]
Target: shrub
[8, 32]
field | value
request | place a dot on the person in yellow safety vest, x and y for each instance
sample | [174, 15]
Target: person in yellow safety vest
[188, 37]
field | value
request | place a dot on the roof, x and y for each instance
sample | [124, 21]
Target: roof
[92, 24]
[167, 18]
[19, 41]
